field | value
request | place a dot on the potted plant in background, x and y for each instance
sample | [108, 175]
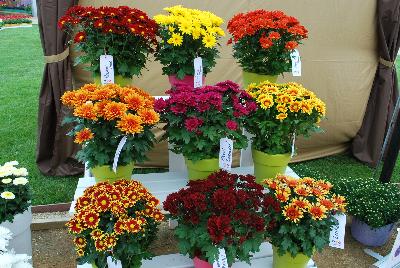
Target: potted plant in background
[185, 35]
[103, 115]
[117, 220]
[262, 43]
[197, 118]
[15, 206]
[221, 212]
[299, 215]
[284, 112]
[127, 34]
[375, 208]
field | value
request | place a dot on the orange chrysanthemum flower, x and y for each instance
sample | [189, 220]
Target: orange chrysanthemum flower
[68, 98]
[103, 94]
[86, 111]
[284, 98]
[100, 245]
[301, 190]
[134, 101]
[81, 97]
[89, 87]
[325, 185]
[272, 184]
[75, 227]
[114, 110]
[91, 219]
[83, 135]
[130, 124]
[294, 107]
[99, 106]
[282, 194]
[103, 202]
[340, 202]
[132, 226]
[149, 116]
[309, 181]
[96, 234]
[317, 211]
[306, 107]
[80, 242]
[281, 108]
[301, 202]
[292, 91]
[291, 182]
[292, 213]
[327, 203]
[110, 241]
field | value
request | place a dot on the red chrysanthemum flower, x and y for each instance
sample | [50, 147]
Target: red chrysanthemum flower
[91, 219]
[80, 37]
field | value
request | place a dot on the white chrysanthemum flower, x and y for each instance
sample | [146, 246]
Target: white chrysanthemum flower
[20, 181]
[11, 163]
[6, 181]
[21, 172]
[7, 195]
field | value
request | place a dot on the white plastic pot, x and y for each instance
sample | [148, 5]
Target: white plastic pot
[21, 240]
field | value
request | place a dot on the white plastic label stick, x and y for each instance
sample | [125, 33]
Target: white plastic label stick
[107, 69]
[118, 152]
[198, 72]
[222, 261]
[296, 62]
[293, 145]
[225, 153]
[336, 237]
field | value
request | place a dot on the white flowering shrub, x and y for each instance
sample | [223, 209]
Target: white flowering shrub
[15, 193]
[377, 204]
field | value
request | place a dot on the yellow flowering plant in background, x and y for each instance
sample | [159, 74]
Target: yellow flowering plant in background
[184, 35]
[284, 111]
[118, 220]
[299, 213]
[103, 114]
[15, 191]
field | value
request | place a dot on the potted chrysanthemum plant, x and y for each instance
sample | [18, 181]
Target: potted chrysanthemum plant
[15, 202]
[105, 115]
[299, 216]
[186, 34]
[262, 43]
[117, 220]
[284, 112]
[198, 118]
[117, 31]
[221, 212]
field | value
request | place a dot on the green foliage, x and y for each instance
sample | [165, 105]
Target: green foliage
[253, 58]
[178, 60]
[101, 149]
[17, 21]
[370, 201]
[129, 53]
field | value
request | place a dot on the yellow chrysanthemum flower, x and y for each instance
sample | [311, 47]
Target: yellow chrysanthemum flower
[209, 41]
[176, 39]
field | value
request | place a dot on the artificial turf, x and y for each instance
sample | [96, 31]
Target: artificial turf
[21, 70]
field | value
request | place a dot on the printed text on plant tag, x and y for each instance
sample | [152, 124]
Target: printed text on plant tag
[225, 153]
[221, 262]
[107, 69]
[296, 62]
[198, 72]
[336, 237]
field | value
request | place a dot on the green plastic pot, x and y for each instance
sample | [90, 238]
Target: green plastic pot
[249, 78]
[286, 260]
[198, 170]
[105, 173]
[118, 79]
[269, 165]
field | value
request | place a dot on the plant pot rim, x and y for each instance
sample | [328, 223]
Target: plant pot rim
[261, 152]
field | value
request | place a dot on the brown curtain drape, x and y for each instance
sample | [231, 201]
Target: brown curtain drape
[368, 142]
[55, 151]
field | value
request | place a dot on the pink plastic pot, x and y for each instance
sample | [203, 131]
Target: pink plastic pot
[187, 80]
[200, 263]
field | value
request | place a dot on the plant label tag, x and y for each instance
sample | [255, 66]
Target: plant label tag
[118, 152]
[296, 62]
[293, 145]
[198, 72]
[393, 259]
[225, 153]
[107, 69]
[222, 261]
[336, 237]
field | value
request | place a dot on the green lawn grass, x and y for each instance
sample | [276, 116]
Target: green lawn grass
[21, 70]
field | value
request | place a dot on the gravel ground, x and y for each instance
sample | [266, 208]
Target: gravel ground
[54, 248]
